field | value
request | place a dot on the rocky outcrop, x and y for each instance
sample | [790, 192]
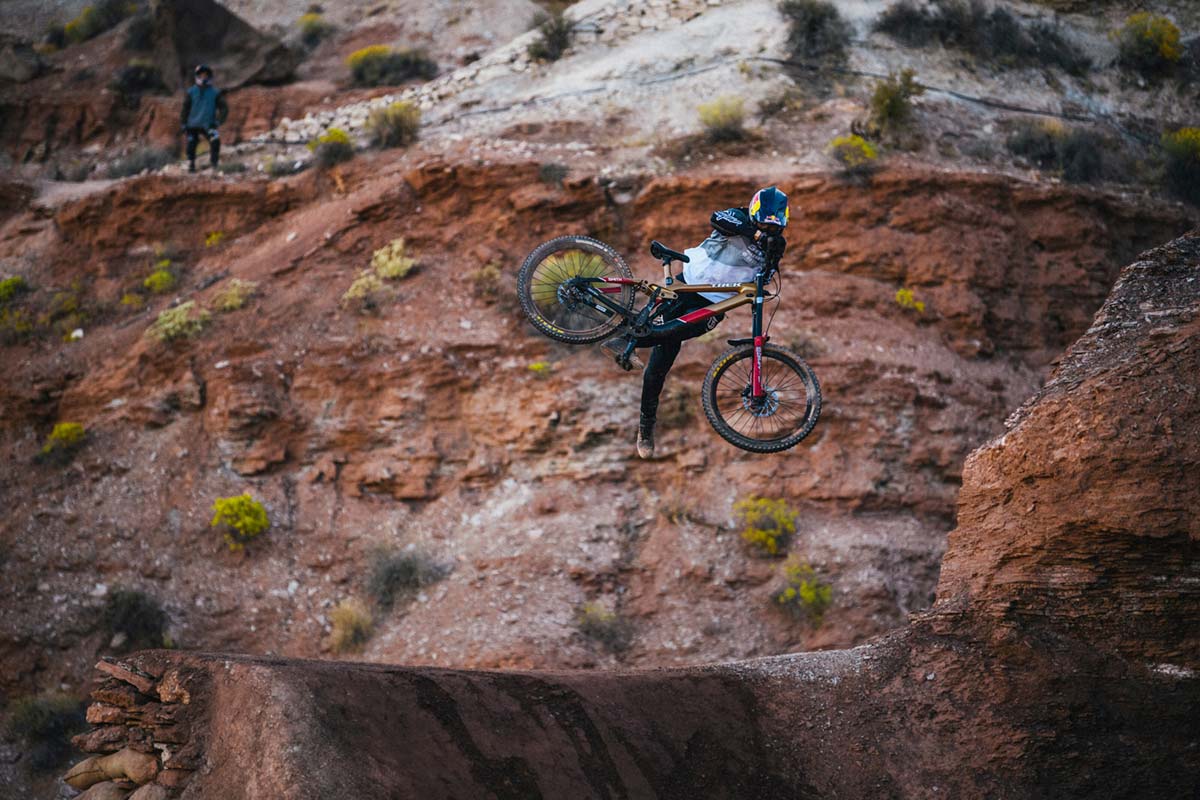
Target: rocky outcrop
[191, 32]
[1059, 661]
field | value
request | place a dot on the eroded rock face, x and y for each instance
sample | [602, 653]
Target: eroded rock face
[1059, 661]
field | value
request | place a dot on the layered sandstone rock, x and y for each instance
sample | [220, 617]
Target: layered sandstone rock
[1059, 661]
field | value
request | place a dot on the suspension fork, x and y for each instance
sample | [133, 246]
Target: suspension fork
[757, 333]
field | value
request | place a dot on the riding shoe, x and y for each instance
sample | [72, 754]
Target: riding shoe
[616, 348]
[645, 440]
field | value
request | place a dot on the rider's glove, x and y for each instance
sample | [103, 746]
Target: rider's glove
[773, 247]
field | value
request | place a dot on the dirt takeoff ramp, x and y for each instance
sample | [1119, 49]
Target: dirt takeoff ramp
[1061, 659]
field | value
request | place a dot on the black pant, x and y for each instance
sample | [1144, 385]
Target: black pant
[214, 143]
[666, 348]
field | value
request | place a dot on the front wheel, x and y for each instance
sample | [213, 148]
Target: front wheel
[784, 414]
[553, 302]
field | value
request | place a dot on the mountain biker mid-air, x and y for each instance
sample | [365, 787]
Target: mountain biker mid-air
[743, 241]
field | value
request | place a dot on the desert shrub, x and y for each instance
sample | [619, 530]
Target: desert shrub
[991, 34]
[398, 576]
[380, 65]
[803, 593]
[160, 281]
[1078, 154]
[15, 325]
[332, 147]
[541, 369]
[234, 295]
[554, 37]
[181, 322]
[766, 524]
[95, 20]
[55, 38]
[241, 519]
[552, 173]
[396, 125]
[139, 36]
[134, 619]
[282, 167]
[232, 168]
[313, 28]
[606, 627]
[1148, 43]
[891, 102]
[44, 725]
[1182, 169]
[723, 119]
[486, 280]
[135, 79]
[815, 30]
[133, 300]
[214, 238]
[362, 292]
[908, 301]
[854, 153]
[11, 287]
[390, 261]
[140, 160]
[352, 623]
[65, 440]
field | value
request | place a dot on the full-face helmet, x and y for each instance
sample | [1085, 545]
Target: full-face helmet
[769, 207]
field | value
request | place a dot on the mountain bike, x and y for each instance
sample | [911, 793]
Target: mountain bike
[757, 396]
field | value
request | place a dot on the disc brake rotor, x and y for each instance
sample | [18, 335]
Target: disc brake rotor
[764, 406]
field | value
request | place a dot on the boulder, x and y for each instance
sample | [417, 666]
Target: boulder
[191, 32]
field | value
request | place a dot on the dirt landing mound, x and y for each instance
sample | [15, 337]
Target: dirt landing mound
[1060, 660]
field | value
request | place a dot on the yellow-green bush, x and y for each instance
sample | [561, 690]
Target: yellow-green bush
[65, 438]
[766, 524]
[854, 152]
[891, 102]
[11, 287]
[241, 518]
[159, 281]
[390, 261]
[541, 368]
[596, 622]
[1148, 43]
[95, 20]
[395, 125]
[352, 623]
[380, 65]
[181, 322]
[235, 295]
[214, 238]
[1182, 173]
[15, 325]
[313, 28]
[803, 592]
[362, 291]
[332, 147]
[723, 119]
[908, 301]
[133, 300]
[485, 281]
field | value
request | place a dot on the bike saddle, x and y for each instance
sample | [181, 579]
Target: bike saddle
[658, 250]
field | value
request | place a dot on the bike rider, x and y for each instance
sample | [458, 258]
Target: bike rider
[743, 241]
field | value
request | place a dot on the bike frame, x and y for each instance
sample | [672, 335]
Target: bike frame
[597, 289]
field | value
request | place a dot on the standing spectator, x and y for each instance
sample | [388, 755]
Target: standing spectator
[204, 110]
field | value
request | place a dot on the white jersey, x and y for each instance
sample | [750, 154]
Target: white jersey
[722, 259]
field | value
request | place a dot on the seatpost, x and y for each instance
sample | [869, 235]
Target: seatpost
[667, 279]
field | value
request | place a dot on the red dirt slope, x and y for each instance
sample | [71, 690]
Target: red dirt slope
[1060, 659]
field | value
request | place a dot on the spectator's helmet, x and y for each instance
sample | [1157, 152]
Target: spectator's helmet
[769, 206]
[204, 69]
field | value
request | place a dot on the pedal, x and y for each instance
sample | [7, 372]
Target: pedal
[624, 363]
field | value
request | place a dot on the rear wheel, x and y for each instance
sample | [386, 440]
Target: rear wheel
[781, 418]
[555, 306]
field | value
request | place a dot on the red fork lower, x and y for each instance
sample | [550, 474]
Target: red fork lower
[756, 367]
